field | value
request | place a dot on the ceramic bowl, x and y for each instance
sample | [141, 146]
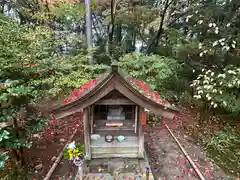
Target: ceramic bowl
[95, 136]
[120, 138]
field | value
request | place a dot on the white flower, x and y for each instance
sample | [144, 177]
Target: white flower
[212, 74]
[199, 45]
[216, 31]
[231, 72]
[197, 96]
[229, 85]
[224, 103]
[196, 12]
[205, 51]
[212, 103]
[200, 92]
[213, 24]
[228, 24]
[234, 42]
[72, 145]
[223, 39]
[227, 48]
[215, 105]
[215, 43]
[220, 92]
[214, 91]
[201, 54]
[233, 45]
[205, 82]
[193, 70]
[208, 71]
[203, 70]
[209, 98]
[221, 83]
[200, 21]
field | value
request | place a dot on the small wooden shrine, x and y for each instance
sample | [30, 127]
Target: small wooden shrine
[113, 107]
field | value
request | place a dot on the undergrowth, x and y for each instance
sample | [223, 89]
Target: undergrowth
[224, 147]
[221, 143]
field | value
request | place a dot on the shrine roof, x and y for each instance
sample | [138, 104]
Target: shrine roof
[91, 87]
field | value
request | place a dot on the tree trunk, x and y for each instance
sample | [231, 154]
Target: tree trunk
[19, 155]
[89, 31]
[154, 43]
[130, 42]
[111, 30]
[118, 34]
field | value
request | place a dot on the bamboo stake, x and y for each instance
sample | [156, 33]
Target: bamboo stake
[200, 175]
[55, 164]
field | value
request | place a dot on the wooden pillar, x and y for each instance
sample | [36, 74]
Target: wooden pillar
[86, 134]
[140, 136]
[136, 119]
[91, 118]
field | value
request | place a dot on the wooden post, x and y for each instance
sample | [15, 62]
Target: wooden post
[91, 117]
[141, 138]
[80, 173]
[136, 118]
[86, 134]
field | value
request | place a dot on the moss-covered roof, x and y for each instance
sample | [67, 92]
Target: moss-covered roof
[138, 85]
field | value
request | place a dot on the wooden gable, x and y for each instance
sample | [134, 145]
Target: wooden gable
[130, 90]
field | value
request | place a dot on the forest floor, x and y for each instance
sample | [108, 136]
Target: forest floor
[166, 159]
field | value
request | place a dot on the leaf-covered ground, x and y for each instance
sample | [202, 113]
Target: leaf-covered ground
[166, 159]
[49, 144]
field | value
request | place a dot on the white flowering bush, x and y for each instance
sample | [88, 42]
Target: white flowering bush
[219, 89]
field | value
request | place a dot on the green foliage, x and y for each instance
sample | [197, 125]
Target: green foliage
[15, 172]
[31, 72]
[161, 73]
[224, 148]
[219, 89]
[3, 158]
[153, 119]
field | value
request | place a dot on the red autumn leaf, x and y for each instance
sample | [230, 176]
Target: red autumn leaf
[52, 121]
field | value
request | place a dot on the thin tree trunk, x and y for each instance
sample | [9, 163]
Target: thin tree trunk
[111, 30]
[154, 43]
[19, 156]
[89, 31]
[119, 34]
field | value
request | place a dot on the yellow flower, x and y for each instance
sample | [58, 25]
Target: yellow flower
[76, 150]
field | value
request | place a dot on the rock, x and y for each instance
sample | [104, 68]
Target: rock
[62, 140]
[39, 166]
[53, 158]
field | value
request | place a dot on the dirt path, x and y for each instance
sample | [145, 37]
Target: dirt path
[167, 160]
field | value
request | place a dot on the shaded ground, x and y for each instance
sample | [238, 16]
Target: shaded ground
[65, 170]
[166, 159]
[49, 144]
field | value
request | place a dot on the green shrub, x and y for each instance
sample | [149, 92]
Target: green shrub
[224, 147]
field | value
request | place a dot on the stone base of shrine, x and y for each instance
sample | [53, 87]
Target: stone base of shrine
[116, 169]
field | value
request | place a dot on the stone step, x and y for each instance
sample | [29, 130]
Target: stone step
[115, 155]
[115, 150]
